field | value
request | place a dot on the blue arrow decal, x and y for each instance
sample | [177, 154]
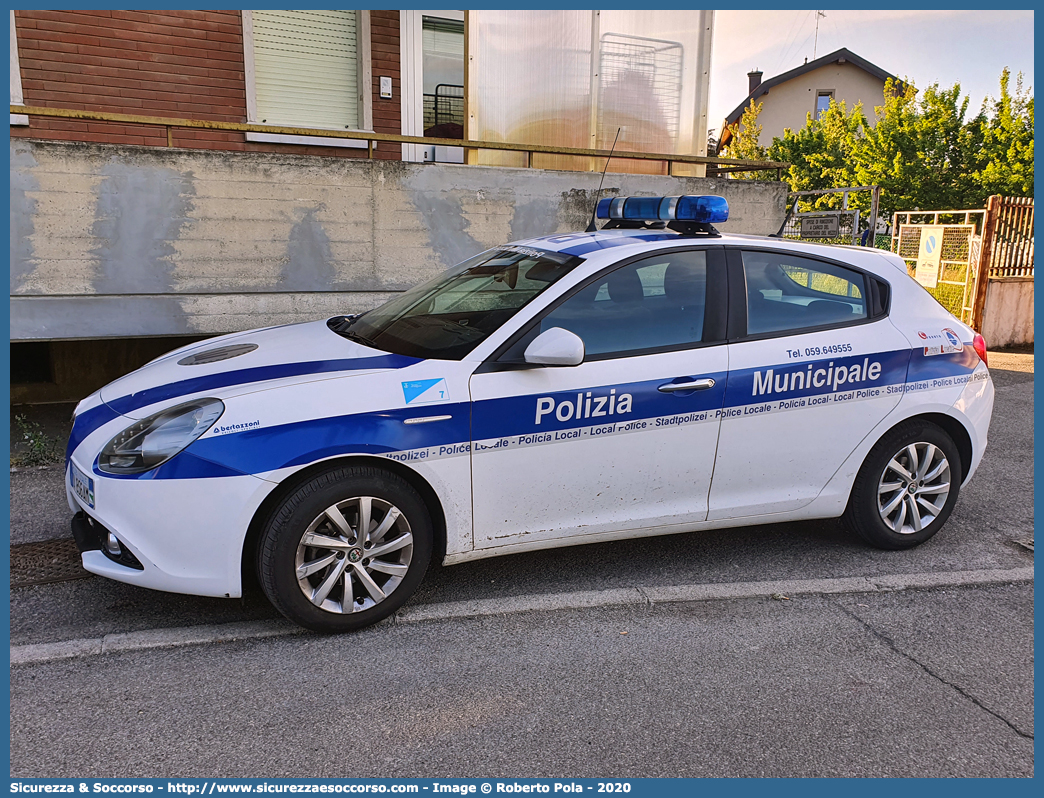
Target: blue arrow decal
[411, 390]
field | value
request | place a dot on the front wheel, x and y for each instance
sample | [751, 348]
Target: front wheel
[346, 549]
[906, 488]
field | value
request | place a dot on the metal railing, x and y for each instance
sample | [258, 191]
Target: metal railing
[372, 138]
[958, 266]
[848, 219]
[446, 105]
[974, 216]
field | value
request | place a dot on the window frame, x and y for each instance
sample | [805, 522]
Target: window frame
[365, 87]
[878, 300]
[714, 325]
[821, 93]
[411, 83]
[17, 98]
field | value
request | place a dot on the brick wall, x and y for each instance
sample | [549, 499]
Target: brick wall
[182, 63]
[384, 55]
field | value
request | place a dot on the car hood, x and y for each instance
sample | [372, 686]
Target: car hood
[243, 362]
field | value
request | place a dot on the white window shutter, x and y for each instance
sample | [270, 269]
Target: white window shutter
[16, 76]
[443, 37]
[306, 68]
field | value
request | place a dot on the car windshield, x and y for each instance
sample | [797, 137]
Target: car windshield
[445, 318]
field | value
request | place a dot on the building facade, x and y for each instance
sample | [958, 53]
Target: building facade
[128, 239]
[319, 69]
[789, 98]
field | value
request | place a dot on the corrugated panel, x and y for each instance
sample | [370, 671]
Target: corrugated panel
[535, 77]
[306, 72]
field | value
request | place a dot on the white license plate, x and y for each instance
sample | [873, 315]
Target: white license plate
[82, 485]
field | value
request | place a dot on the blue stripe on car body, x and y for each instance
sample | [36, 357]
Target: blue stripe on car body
[90, 420]
[744, 385]
[225, 379]
[930, 367]
[267, 449]
[298, 443]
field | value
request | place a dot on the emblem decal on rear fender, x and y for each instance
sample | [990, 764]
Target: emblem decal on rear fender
[951, 344]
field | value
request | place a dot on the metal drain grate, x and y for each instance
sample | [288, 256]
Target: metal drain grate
[45, 562]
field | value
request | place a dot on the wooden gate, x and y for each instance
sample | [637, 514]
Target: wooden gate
[1007, 246]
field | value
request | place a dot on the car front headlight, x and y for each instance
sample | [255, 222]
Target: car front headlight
[152, 441]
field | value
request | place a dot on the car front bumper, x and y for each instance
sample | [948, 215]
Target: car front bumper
[177, 535]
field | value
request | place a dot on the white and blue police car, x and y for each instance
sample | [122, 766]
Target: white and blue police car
[646, 378]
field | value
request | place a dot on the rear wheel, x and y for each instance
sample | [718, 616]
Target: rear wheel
[906, 488]
[346, 549]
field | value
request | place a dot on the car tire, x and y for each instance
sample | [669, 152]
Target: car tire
[317, 569]
[881, 508]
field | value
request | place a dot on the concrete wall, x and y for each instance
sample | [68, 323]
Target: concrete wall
[110, 241]
[786, 105]
[1008, 317]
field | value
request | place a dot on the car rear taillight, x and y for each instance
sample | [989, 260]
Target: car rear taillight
[980, 348]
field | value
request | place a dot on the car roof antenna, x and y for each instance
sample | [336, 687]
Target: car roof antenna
[782, 227]
[592, 227]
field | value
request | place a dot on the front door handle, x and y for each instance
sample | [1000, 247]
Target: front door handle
[695, 385]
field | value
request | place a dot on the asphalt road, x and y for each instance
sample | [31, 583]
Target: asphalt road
[913, 683]
[918, 683]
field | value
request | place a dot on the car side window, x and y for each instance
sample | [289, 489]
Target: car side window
[787, 292]
[650, 304]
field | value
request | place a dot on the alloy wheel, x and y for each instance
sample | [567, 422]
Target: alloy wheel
[354, 555]
[913, 488]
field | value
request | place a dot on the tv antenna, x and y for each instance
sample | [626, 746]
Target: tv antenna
[815, 44]
[592, 227]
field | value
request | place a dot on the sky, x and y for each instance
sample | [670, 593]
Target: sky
[944, 47]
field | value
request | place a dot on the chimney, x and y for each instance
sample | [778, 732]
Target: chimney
[754, 79]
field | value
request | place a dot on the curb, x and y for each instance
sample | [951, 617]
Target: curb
[150, 639]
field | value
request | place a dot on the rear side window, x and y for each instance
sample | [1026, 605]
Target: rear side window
[655, 303]
[788, 292]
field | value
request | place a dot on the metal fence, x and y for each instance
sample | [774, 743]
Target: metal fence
[975, 217]
[832, 226]
[959, 260]
[846, 227]
[445, 105]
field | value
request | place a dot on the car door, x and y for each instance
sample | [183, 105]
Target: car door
[610, 444]
[814, 365]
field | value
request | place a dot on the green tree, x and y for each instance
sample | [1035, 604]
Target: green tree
[820, 153]
[919, 152]
[1004, 162]
[921, 149]
[744, 141]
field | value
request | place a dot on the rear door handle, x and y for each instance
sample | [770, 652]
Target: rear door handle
[695, 385]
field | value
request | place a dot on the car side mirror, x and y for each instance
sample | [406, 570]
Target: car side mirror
[556, 347]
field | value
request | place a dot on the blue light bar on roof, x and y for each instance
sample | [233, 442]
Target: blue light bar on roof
[688, 208]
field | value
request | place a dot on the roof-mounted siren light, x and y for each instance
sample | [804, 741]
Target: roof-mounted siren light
[688, 214]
